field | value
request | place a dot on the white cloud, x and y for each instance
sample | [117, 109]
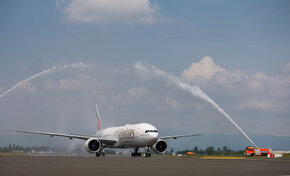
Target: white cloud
[287, 67]
[28, 88]
[258, 91]
[66, 84]
[133, 95]
[256, 104]
[111, 11]
[138, 92]
[172, 102]
[204, 69]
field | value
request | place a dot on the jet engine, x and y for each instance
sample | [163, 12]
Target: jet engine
[92, 145]
[160, 146]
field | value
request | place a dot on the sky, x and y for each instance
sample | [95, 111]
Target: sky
[237, 52]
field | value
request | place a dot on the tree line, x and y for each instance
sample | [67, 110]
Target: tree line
[16, 148]
[198, 151]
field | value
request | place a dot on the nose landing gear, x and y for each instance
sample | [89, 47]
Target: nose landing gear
[136, 154]
[148, 154]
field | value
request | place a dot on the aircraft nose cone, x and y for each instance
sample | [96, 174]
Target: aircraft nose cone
[154, 136]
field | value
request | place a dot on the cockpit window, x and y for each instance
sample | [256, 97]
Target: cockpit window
[151, 131]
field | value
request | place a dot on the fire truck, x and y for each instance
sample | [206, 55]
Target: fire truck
[251, 151]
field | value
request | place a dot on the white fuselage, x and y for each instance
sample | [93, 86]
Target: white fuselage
[135, 135]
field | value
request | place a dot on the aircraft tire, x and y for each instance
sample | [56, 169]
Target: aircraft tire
[136, 154]
[148, 155]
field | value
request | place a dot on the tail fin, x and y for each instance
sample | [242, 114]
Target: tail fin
[98, 118]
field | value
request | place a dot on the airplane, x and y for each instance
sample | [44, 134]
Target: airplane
[141, 135]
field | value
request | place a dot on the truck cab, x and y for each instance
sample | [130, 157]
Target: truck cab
[249, 151]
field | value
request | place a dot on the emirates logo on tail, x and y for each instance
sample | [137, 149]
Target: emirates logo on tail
[98, 118]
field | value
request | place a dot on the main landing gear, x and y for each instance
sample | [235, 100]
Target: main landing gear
[101, 153]
[136, 154]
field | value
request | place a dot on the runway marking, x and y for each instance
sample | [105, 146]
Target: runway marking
[267, 159]
[217, 157]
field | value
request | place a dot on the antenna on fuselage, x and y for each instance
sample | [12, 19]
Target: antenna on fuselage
[98, 118]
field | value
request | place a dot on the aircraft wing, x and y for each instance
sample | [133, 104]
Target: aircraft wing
[71, 136]
[179, 136]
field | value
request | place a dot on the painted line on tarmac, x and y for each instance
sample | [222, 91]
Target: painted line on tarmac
[213, 157]
[267, 159]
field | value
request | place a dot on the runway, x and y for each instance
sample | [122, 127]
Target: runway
[164, 166]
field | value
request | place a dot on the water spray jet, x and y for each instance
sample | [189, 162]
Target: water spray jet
[193, 90]
[54, 68]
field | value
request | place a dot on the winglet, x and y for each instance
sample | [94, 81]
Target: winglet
[98, 118]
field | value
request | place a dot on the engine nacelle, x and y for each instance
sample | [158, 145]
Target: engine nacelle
[92, 145]
[160, 146]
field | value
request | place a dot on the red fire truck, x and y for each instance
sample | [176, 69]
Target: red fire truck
[251, 151]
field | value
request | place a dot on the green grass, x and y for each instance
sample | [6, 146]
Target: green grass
[13, 154]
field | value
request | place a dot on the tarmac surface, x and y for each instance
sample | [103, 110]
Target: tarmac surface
[161, 166]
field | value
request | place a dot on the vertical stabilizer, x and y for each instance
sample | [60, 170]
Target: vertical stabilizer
[98, 118]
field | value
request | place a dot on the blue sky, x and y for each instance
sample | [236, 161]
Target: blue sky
[247, 35]
[242, 49]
